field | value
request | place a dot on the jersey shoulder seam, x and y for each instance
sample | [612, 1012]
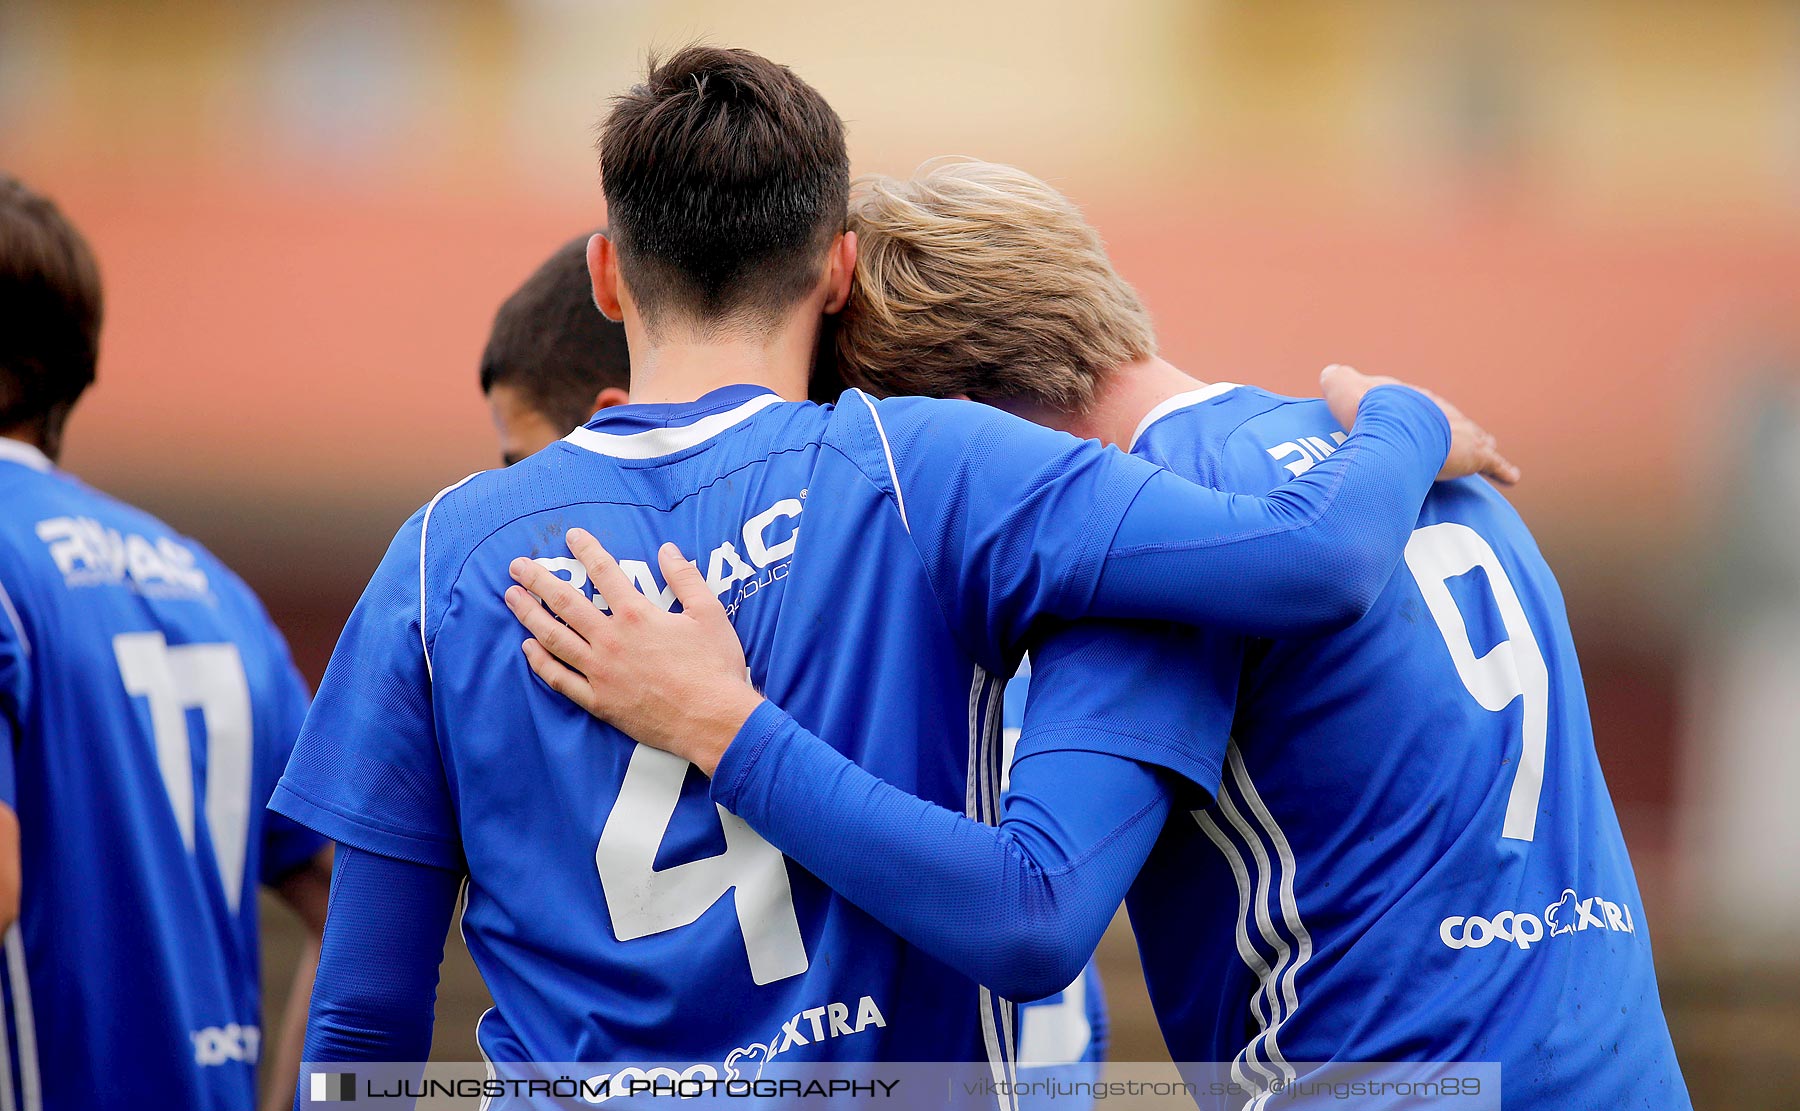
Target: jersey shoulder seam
[937, 598]
[1221, 462]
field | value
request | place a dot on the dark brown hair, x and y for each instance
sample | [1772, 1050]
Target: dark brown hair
[726, 179]
[551, 344]
[49, 313]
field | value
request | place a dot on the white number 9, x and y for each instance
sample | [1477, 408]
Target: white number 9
[1512, 669]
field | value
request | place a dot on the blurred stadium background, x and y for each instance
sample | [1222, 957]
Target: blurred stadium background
[1581, 220]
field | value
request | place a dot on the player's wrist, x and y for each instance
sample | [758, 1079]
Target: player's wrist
[719, 722]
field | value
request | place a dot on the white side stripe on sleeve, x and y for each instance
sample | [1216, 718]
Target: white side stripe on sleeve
[887, 450]
[424, 526]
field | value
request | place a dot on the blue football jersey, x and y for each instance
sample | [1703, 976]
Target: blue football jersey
[1411, 854]
[1061, 1036]
[147, 707]
[616, 912]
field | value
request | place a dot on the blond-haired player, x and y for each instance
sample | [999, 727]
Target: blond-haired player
[1389, 843]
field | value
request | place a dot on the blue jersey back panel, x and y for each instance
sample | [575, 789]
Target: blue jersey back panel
[1412, 855]
[148, 707]
[879, 566]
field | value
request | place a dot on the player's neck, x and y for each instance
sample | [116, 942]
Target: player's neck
[45, 436]
[685, 364]
[1125, 397]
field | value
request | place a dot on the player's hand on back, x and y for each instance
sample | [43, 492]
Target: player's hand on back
[674, 681]
[1473, 450]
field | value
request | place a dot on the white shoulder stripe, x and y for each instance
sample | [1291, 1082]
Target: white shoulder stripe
[424, 526]
[1177, 403]
[655, 443]
[887, 450]
[18, 624]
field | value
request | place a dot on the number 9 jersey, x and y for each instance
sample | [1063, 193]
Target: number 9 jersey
[1412, 854]
[147, 706]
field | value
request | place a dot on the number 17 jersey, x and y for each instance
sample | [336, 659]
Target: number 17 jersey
[147, 705]
[1412, 854]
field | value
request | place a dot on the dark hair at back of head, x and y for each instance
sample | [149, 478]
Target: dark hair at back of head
[49, 311]
[551, 344]
[725, 179]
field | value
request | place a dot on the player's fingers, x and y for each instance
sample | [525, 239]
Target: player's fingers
[565, 642]
[1344, 388]
[1499, 468]
[696, 598]
[556, 592]
[570, 684]
[610, 583]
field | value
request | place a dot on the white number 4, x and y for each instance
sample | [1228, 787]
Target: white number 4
[208, 678]
[644, 901]
[1511, 669]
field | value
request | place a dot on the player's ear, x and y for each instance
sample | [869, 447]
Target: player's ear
[840, 270]
[610, 396]
[603, 272]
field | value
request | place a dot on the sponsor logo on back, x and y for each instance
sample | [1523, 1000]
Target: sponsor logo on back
[1570, 914]
[752, 560]
[89, 553]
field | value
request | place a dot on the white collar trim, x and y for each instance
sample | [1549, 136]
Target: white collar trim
[18, 451]
[1176, 404]
[654, 443]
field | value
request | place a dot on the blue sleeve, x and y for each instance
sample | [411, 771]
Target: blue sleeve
[1010, 519]
[1018, 907]
[1015, 522]
[286, 844]
[1309, 556]
[1154, 692]
[367, 770]
[376, 986]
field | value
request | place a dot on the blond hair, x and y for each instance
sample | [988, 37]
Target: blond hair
[979, 279]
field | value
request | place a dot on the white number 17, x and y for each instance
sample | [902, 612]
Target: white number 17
[208, 678]
[1511, 669]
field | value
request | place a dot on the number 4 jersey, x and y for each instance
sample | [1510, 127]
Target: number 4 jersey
[882, 562]
[616, 914]
[1412, 855]
[147, 706]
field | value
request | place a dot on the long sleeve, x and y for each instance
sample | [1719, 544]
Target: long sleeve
[1018, 907]
[378, 969]
[1015, 523]
[1311, 555]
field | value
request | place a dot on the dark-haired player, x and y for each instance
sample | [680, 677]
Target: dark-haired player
[147, 706]
[552, 361]
[883, 560]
